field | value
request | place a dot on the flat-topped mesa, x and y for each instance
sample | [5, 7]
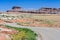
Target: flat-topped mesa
[43, 10]
[49, 10]
[19, 9]
[16, 8]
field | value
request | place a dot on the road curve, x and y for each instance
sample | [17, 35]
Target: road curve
[44, 32]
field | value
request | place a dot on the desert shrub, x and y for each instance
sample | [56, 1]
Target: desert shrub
[23, 34]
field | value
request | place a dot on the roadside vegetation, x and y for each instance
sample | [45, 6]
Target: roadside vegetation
[23, 34]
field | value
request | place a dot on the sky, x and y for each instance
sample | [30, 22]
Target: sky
[28, 4]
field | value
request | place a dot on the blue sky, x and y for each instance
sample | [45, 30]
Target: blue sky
[27, 4]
